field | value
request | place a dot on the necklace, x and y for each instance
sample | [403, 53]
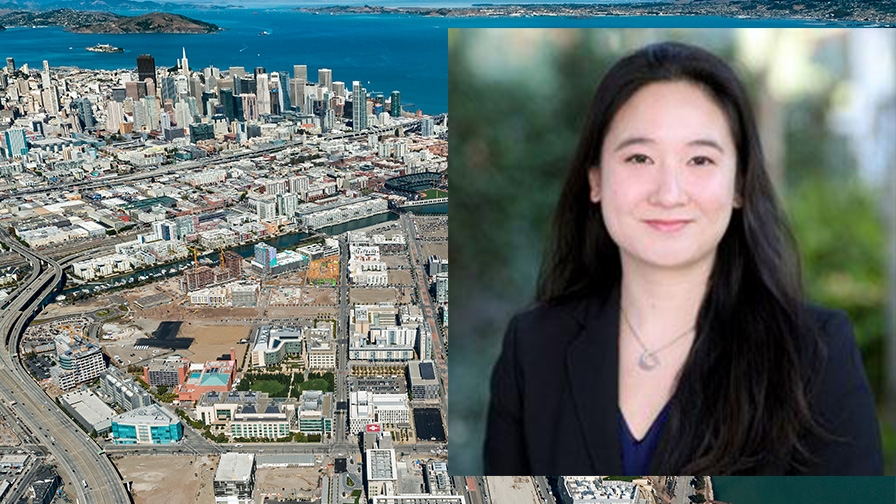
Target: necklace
[648, 359]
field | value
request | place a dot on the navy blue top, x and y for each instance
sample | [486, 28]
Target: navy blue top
[636, 454]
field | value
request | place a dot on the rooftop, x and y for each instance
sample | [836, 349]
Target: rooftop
[153, 414]
[235, 467]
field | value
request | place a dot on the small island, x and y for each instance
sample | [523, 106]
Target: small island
[76, 21]
[105, 48]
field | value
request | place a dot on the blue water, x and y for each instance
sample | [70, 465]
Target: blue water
[384, 52]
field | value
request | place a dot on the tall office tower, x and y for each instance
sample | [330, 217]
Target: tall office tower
[169, 89]
[184, 65]
[150, 87]
[45, 75]
[193, 107]
[211, 77]
[297, 92]
[196, 87]
[325, 78]
[339, 89]
[152, 112]
[146, 69]
[114, 115]
[139, 115]
[285, 102]
[50, 100]
[182, 114]
[14, 143]
[225, 98]
[164, 120]
[250, 106]
[300, 72]
[263, 93]
[276, 97]
[426, 128]
[182, 86]
[119, 94]
[259, 71]
[130, 90]
[243, 85]
[236, 71]
[359, 107]
[84, 109]
[207, 96]
[395, 104]
[10, 65]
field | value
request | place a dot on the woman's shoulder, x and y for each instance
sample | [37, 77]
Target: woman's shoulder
[833, 327]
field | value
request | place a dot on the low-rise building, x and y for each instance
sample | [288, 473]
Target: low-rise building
[594, 490]
[423, 381]
[235, 479]
[169, 372]
[124, 391]
[211, 376]
[88, 410]
[151, 424]
[272, 344]
[382, 475]
[367, 408]
[316, 412]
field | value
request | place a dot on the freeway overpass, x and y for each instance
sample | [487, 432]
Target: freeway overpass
[75, 453]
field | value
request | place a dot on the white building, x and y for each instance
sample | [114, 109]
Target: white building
[382, 475]
[366, 408]
[235, 479]
[593, 490]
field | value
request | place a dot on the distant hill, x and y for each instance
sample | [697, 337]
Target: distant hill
[99, 5]
[106, 22]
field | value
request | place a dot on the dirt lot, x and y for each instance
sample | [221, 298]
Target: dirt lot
[388, 295]
[439, 248]
[169, 478]
[400, 277]
[299, 482]
[58, 310]
[212, 341]
[512, 489]
[393, 261]
[318, 296]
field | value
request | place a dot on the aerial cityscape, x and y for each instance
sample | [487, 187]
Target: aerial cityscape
[220, 285]
[224, 279]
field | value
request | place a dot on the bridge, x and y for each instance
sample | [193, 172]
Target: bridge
[77, 455]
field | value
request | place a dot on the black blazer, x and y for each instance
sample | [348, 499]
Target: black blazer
[554, 397]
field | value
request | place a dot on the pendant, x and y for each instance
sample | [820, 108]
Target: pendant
[648, 361]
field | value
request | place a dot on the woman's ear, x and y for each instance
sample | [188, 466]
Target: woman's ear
[594, 184]
[738, 201]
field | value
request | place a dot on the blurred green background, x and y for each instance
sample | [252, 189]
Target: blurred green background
[825, 101]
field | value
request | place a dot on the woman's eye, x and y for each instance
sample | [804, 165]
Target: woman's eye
[702, 161]
[637, 159]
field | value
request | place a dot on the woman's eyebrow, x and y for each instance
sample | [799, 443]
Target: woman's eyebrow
[705, 142]
[632, 141]
[700, 142]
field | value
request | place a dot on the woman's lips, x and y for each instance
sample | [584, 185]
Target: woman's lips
[667, 225]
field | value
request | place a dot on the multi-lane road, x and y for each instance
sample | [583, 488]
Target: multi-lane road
[76, 455]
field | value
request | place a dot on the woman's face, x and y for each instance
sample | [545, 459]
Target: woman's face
[666, 180]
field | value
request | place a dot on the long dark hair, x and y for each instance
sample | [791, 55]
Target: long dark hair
[742, 401]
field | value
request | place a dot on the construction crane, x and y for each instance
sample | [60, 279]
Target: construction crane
[195, 256]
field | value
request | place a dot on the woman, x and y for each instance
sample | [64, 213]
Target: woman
[670, 335]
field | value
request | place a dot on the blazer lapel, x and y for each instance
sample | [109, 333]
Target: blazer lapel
[592, 368]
